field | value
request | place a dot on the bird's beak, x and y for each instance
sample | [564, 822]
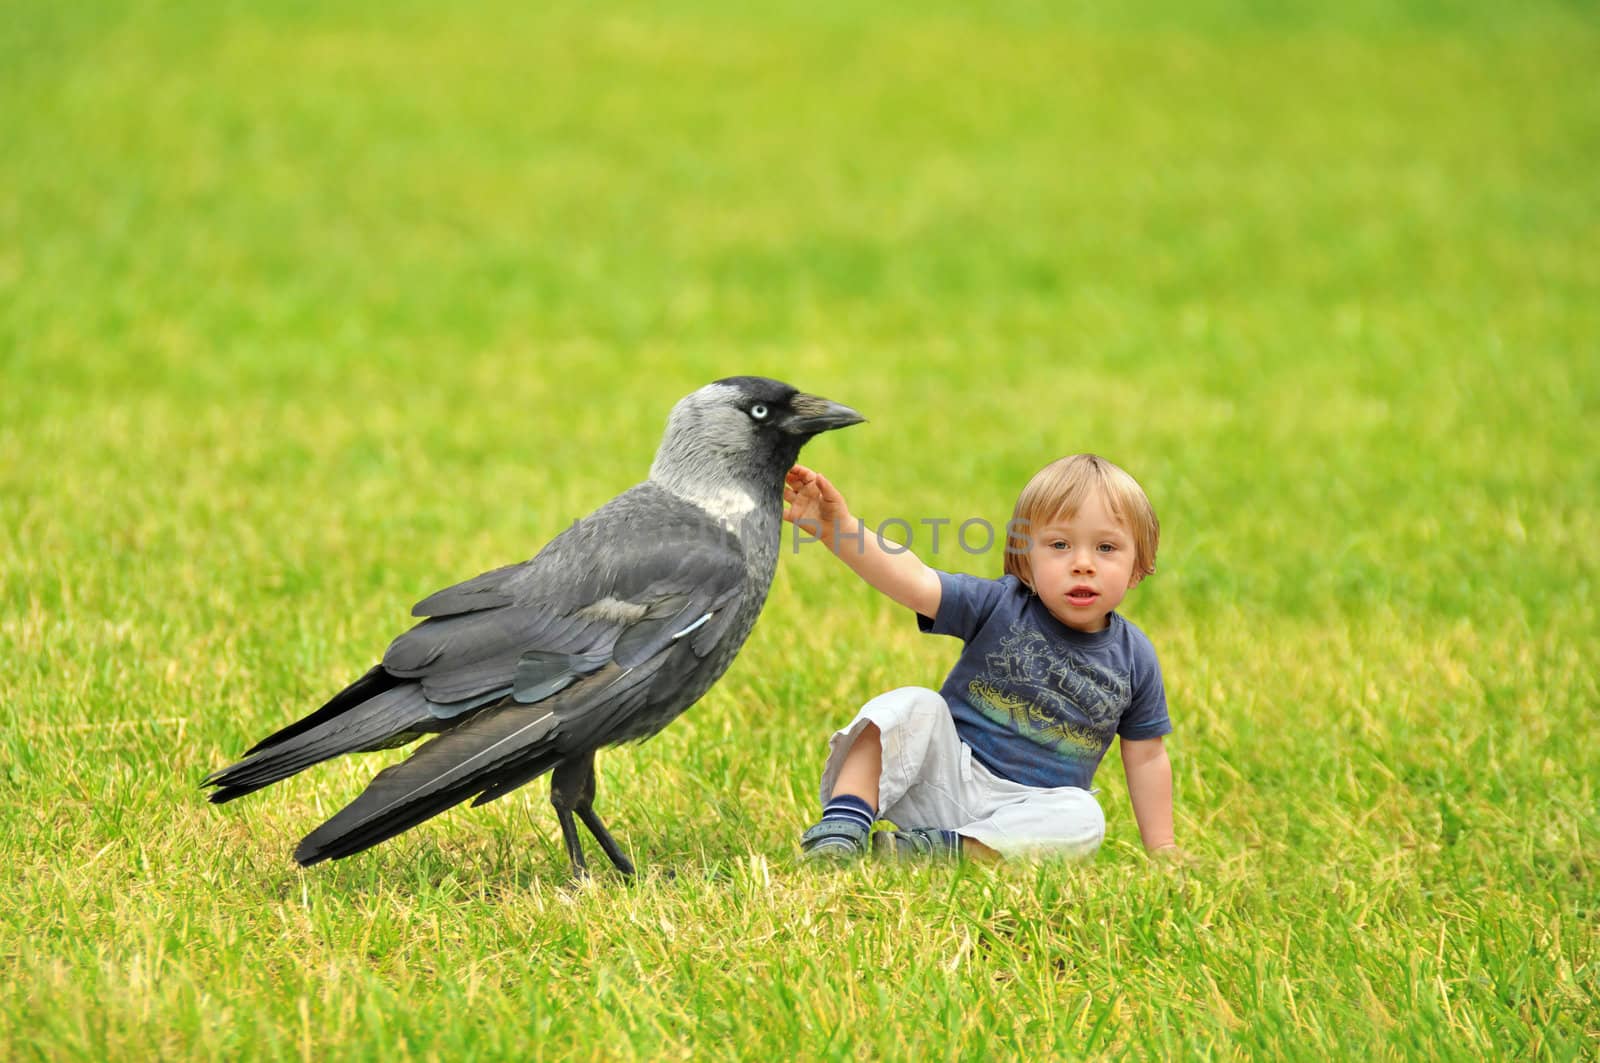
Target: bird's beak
[814, 414]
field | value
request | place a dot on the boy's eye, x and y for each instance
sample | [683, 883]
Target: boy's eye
[1058, 545]
[1106, 548]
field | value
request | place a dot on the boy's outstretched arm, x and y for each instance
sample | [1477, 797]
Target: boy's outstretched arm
[1149, 774]
[817, 507]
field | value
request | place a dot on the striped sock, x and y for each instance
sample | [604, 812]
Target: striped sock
[852, 808]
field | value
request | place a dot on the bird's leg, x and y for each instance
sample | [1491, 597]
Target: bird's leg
[565, 790]
[572, 790]
[586, 813]
[569, 837]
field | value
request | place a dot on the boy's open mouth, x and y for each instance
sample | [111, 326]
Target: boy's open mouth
[1082, 595]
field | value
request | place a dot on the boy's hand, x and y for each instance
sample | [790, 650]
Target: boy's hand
[814, 504]
[818, 507]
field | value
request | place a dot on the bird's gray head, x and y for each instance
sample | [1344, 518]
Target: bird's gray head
[739, 436]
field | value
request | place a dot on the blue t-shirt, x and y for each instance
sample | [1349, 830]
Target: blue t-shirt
[1036, 700]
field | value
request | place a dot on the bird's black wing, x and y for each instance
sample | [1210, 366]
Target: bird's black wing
[494, 588]
[619, 585]
[613, 603]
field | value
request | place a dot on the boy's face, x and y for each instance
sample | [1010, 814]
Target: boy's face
[1083, 565]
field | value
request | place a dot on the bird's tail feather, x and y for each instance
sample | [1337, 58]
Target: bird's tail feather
[397, 714]
[369, 686]
[442, 773]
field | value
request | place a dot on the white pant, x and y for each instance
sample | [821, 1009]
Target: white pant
[930, 779]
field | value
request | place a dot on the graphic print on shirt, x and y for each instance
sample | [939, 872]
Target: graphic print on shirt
[1049, 696]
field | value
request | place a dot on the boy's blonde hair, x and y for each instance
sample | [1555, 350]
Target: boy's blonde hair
[1058, 489]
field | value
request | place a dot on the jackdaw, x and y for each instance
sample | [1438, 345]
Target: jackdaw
[618, 625]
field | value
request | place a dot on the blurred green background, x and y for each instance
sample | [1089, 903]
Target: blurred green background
[307, 310]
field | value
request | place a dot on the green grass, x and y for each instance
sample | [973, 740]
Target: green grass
[307, 310]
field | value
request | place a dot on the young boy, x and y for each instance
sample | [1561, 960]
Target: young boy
[998, 762]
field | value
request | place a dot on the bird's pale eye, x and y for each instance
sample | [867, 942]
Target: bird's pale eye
[759, 412]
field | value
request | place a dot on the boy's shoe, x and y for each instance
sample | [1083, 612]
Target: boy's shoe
[833, 840]
[916, 844]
